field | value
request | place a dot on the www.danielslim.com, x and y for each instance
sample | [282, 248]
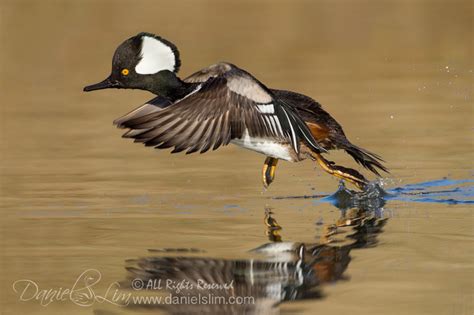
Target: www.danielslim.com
[198, 299]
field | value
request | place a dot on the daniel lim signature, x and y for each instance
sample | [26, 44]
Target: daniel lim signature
[82, 293]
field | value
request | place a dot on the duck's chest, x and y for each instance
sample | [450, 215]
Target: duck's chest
[266, 146]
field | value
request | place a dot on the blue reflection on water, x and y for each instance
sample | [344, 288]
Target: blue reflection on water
[445, 191]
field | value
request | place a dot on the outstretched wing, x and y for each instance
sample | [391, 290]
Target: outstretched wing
[227, 103]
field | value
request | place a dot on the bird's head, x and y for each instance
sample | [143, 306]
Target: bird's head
[145, 61]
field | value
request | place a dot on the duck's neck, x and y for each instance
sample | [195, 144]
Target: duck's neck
[167, 84]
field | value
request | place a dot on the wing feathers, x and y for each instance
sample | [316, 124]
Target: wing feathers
[224, 106]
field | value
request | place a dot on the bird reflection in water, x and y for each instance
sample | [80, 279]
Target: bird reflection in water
[288, 271]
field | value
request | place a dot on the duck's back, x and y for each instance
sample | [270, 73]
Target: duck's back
[325, 129]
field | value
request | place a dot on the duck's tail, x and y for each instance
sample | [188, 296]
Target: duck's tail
[367, 159]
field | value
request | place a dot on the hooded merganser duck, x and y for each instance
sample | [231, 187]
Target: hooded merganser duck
[224, 104]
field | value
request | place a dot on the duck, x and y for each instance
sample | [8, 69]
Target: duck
[223, 104]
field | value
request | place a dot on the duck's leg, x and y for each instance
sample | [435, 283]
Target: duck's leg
[273, 228]
[268, 171]
[348, 174]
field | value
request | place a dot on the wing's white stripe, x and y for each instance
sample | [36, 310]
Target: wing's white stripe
[309, 140]
[188, 95]
[272, 120]
[266, 109]
[270, 123]
[277, 121]
[293, 134]
[274, 124]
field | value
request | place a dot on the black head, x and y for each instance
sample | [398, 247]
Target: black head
[142, 62]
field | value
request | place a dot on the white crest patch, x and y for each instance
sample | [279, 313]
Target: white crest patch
[155, 56]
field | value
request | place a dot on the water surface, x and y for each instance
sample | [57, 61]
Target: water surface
[75, 196]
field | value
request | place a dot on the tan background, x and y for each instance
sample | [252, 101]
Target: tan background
[398, 75]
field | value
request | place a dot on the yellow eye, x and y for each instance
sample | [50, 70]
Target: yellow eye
[125, 71]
